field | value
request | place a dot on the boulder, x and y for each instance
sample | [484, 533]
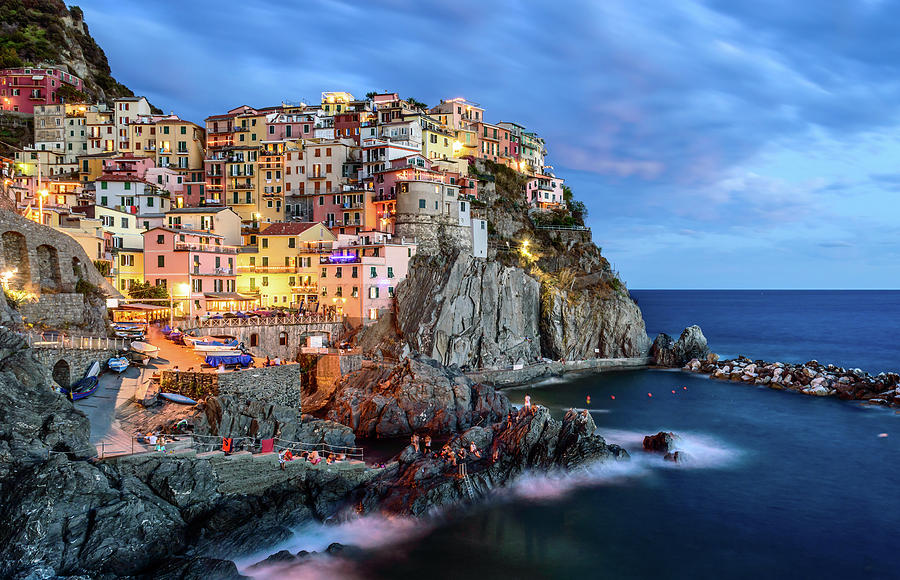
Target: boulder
[690, 345]
[662, 351]
[663, 442]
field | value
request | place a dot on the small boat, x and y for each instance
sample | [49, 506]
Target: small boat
[176, 398]
[144, 348]
[83, 388]
[118, 363]
[166, 330]
[214, 359]
[93, 370]
[209, 339]
[215, 346]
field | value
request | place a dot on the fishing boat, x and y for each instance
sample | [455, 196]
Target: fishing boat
[125, 330]
[144, 348]
[83, 388]
[210, 339]
[166, 330]
[176, 398]
[118, 363]
[93, 370]
[215, 346]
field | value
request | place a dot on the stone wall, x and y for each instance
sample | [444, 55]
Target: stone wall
[60, 311]
[433, 234]
[74, 362]
[268, 338]
[271, 385]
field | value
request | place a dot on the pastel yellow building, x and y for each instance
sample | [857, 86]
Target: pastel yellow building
[128, 268]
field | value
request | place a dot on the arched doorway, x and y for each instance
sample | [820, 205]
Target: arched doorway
[61, 373]
[48, 267]
[254, 339]
[282, 338]
[15, 256]
[76, 268]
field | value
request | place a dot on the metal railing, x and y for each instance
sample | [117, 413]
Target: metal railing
[188, 246]
[65, 341]
[575, 228]
[265, 321]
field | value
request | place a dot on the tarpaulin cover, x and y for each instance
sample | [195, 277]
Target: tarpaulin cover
[245, 360]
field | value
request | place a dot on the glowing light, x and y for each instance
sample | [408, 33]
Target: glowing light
[6, 276]
[184, 288]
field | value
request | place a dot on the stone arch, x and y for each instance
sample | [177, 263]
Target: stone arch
[254, 339]
[48, 267]
[15, 256]
[62, 374]
[77, 268]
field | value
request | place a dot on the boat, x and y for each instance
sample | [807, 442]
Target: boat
[215, 346]
[118, 363]
[144, 348]
[83, 388]
[166, 330]
[176, 398]
[210, 339]
[93, 370]
[124, 330]
[214, 359]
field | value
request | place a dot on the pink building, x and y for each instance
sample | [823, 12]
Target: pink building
[128, 165]
[23, 88]
[359, 277]
[545, 192]
[197, 269]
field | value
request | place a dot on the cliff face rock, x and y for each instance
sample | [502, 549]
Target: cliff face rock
[577, 324]
[666, 352]
[414, 395]
[470, 312]
[419, 483]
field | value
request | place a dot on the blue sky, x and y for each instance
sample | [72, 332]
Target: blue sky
[717, 144]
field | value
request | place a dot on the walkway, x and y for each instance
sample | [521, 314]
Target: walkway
[515, 376]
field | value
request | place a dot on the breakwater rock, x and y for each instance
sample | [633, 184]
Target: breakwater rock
[667, 352]
[417, 394]
[419, 482]
[810, 378]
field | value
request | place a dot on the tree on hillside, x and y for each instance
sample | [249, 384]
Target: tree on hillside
[416, 104]
[146, 291]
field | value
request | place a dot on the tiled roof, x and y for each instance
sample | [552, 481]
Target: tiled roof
[287, 228]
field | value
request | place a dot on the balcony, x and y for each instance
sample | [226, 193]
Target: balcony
[240, 186]
[340, 259]
[192, 247]
[385, 197]
[267, 269]
[214, 272]
[311, 289]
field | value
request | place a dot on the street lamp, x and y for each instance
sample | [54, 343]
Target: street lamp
[41, 195]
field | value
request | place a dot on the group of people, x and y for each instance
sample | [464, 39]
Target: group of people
[275, 362]
[313, 457]
[157, 441]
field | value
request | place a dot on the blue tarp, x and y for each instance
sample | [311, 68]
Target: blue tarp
[245, 360]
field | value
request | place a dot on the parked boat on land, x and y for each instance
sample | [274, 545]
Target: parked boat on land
[215, 346]
[176, 398]
[118, 363]
[86, 386]
[145, 348]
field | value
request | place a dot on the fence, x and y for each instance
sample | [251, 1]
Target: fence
[265, 321]
[574, 228]
[205, 443]
[64, 341]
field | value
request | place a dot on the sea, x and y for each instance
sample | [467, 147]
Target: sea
[777, 485]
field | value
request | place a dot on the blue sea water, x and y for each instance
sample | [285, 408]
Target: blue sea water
[779, 485]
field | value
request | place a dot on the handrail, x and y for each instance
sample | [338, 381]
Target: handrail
[64, 341]
[266, 321]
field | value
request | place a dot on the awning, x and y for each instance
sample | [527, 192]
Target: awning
[141, 307]
[227, 296]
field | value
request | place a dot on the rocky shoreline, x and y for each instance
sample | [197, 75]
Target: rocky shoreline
[809, 378]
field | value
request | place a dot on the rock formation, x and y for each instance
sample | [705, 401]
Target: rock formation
[417, 394]
[418, 483]
[469, 312]
[662, 442]
[810, 378]
[690, 345]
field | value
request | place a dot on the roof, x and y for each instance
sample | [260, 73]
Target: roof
[287, 228]
[180, 231]
[128, 178]
[203, 209]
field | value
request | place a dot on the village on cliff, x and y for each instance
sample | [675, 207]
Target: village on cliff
[301, 208]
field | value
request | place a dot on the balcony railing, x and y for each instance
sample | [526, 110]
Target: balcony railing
[385, 197]
[191, 247]
[214, 272]
[344, 259]
[268, 269]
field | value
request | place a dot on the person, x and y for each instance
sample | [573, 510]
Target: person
[268, 362]
[527, 405]
[428, 444]
[314, 457]
[448, 454]
[282, 459]
[330, 459]
[414, 441]
[151, 440]
[496, 454]
[341, 457]
[276, 362]
[161, 443]
[221, 367]
[473, 449]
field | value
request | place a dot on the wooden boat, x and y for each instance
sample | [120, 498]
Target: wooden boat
[83, 388]
[144, 348]
[215, 346]
[118, 363]
[176, 398]
[210, 339]
[93, 370]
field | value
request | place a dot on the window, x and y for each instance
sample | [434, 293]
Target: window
[421, 204]
[160, 239]
[373, 313]
[124, 222]
[282, 338]
[149, 202]
[104, 185]
[161, 261]
[373, 291]
[354, 292]
[391, 291]
[355, 272]
[324, 272]
[390, 273]
[197, 285]
[265, 242]
[104, 201]
[292, 242]
[265, 281]
[373, 272]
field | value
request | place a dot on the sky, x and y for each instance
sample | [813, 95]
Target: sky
[717, 143]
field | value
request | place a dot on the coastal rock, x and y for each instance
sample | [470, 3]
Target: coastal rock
[690, 345]
[469, 312]
[677, 457]
[417, 394]
[197, 569]
[530, 441]
[662, 442]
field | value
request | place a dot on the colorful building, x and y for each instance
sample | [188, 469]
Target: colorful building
[545, 192]
[21, 89]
